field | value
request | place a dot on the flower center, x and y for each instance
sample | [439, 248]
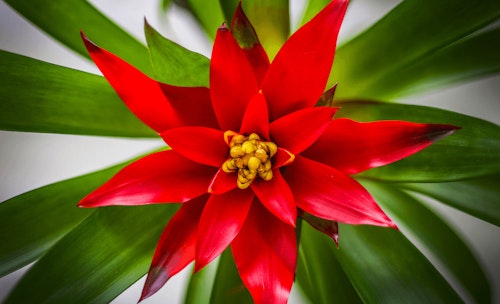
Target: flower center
[250, 157]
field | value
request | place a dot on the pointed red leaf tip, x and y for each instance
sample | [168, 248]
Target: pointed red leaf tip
[141, 94]
[248, 40]
[298, 75]
[265, 253]
[256, 118]
[232, 81]
[353, 147]
[220, 222]
[161, 177]
[277, 197]
[330, 228]
[332, 195]
[176, 247]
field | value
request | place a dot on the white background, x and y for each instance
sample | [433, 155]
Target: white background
[29, 160]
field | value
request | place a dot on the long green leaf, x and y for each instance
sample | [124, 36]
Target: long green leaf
[201, 284]
[319, 274]
[208, 13]
[98, 259]
[410, 33]
[385, 267]
[40, 97]
[271, 21]
[478, 197]
[467, 59]
[63, 20]
[228, 287]
[472, 151]
[174, 64]
[440, 239]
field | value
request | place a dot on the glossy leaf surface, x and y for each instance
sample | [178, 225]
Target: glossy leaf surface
[440, 240]
[63, 20]
[472, 151]
[467, 59]
[97, 260]
[432, 26]
[478, 197]
[61, 100]
[228, 287]
[385, 267]
[200, 285]
[174, 64]
[319, 274]
[208, 13]
[51, 209]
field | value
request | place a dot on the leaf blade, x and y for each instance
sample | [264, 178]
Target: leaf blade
[398, 272]
[472, 151]
[439, 238]
[36, 96]
[437, 25]
[97, 260]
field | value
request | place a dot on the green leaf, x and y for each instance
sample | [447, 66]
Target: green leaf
[36, 96]
[439, 239]
[228, 287]
[464, 60]
[319, 274]
[385, 267]
[409, 34]
[271, 21]
[200, 285]
[165, 4]
[98, 259]
[208, 13]
[312, 8]
[174, 64]
[472, 151]
[63, 20]
[477, 197]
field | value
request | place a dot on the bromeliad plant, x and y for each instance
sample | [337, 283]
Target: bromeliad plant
[256, 147]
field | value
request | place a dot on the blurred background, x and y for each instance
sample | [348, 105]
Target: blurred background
[29, 160]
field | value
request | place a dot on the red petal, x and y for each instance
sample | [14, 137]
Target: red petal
[246, 36]
[222, 182]
[256, 119]
[330, 194]
[298, 75]
[265, 253]
[353, 147]
[330, 228]
[157, 178]
[199, 144]
[142, 95]
[277, 197]
[282, 158]
[176, 247]
[232, 82]
[298, 130]
[220, 222]
[192, 104]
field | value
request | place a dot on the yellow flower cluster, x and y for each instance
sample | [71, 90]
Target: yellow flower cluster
[250, 157]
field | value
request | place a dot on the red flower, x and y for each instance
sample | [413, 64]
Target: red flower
[251, 153]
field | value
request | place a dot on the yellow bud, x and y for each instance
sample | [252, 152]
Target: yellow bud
[261, 154]
[253, 163]
[238, 139]
[248, 147]
[268, 175]
[236, 151]
[228, 166]
[272, 148]
[253, 136]
[243, 185]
